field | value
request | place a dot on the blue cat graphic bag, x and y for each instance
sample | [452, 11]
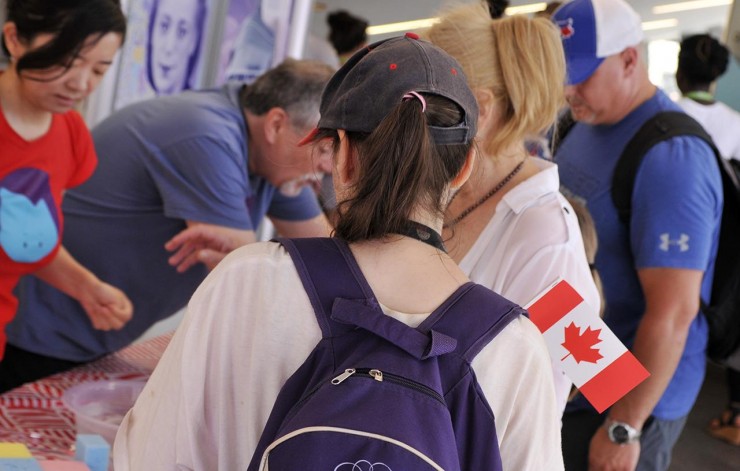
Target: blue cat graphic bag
[376, 394]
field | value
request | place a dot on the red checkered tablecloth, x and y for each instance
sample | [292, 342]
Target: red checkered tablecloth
[34, 414]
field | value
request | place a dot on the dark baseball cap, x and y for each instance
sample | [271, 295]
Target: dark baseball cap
[374, 81]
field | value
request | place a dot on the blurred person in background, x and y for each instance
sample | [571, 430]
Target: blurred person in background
[701, 61]
[497, 8]
[347, 33]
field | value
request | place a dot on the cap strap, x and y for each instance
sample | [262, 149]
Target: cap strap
[412, 95]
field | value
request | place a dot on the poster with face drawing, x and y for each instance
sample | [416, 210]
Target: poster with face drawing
[163, 49]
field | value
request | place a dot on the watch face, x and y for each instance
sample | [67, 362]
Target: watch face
[620, 434]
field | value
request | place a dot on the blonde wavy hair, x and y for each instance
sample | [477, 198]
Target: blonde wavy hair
[519, 59]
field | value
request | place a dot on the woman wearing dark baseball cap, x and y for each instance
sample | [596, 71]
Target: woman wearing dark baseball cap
[399, 119]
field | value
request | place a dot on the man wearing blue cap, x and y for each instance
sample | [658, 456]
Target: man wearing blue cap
[657, 264]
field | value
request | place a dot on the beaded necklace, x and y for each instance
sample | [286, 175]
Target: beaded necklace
[485, 197]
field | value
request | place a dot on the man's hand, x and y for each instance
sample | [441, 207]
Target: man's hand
[107, 307]
[205, 243]
[607, 456]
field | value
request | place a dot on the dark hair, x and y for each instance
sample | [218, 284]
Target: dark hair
[294, 85]
[496, 8]
[702, 59]
[71, 22]
[347, 31]
[398, 168]
[200, 18]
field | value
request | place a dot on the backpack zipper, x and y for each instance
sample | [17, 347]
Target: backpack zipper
[379, 376]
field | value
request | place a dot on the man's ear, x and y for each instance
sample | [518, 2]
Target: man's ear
[630, 60]
[12, 41]
[466, 170]
[274, 122]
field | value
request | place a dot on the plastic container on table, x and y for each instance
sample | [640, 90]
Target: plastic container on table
[100, 406]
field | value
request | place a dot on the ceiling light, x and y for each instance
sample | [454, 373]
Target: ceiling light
[530, 8]
[692, 5]
[427, 22]
[535, 7]
[660, 24]
[402, 26]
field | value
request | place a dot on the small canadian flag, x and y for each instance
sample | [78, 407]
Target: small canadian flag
[591, 355]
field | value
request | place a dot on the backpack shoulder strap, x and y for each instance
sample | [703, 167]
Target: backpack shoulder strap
[474, 315]
[659, 128]
[326, 274]
[343, 300]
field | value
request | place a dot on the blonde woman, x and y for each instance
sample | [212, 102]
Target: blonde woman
[509, 227]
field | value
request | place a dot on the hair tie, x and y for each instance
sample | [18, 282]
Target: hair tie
[412, 95]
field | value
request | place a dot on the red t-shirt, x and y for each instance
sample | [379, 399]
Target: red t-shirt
[33, 177]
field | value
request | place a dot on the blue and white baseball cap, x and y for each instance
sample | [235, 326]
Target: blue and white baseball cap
[592, 30]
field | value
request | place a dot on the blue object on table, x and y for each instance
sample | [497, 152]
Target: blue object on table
[19, 464]
[93, 450]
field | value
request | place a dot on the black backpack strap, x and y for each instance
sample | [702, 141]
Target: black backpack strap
[659, 128]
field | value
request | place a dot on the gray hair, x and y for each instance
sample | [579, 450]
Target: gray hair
[294, 85]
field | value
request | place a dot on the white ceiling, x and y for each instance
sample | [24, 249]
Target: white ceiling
[711, 20]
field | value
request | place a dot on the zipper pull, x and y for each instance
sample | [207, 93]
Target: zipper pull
[347, 373]
[376, 374]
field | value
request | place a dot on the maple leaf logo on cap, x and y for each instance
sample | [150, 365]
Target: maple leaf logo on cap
[581, 345]
[566, 28]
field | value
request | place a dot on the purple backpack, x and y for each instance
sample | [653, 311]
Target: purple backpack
[376, 394]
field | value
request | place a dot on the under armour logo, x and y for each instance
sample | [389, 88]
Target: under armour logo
[682, 242]
[362, 465]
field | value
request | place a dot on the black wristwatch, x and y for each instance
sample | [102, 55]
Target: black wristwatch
[621, 433]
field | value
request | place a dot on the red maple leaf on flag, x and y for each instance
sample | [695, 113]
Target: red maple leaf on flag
[581, 345]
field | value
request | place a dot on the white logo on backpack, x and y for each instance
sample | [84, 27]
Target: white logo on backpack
[362, 465]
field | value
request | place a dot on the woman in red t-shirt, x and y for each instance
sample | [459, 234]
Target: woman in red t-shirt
[59, 51]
